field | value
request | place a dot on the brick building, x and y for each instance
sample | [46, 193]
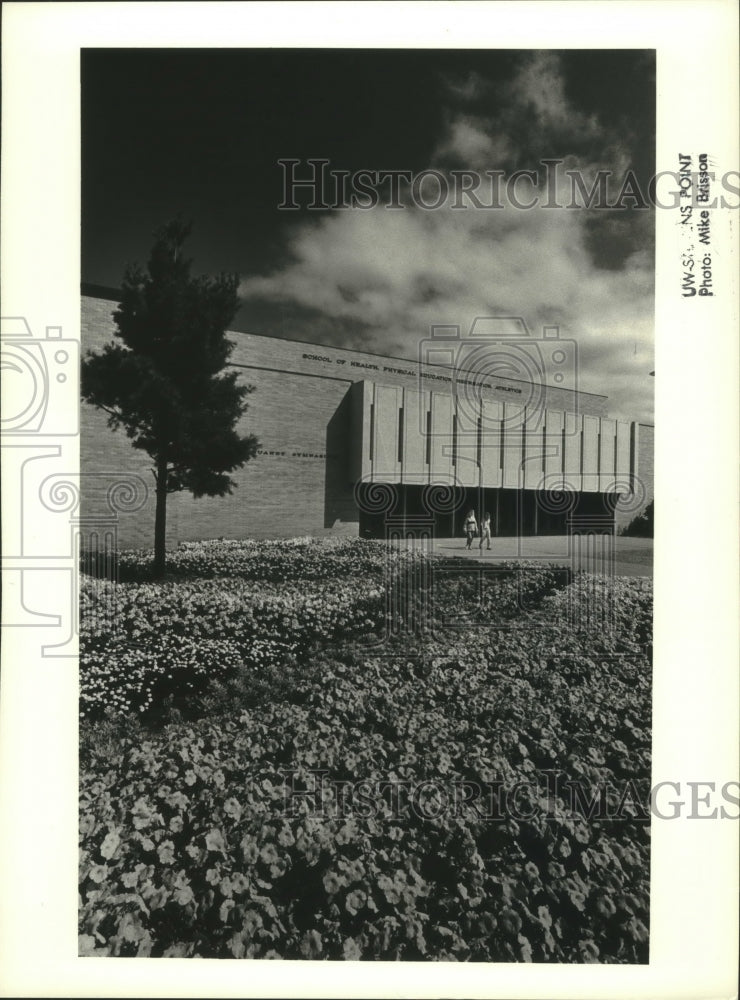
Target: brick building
[351, 439]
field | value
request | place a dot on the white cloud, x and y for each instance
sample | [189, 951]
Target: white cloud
[467, 140]
[540, 85]
[392, 274]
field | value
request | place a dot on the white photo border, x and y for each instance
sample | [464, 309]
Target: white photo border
[694, 877]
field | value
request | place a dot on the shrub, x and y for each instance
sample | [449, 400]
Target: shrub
[641, 525]
[281, 561]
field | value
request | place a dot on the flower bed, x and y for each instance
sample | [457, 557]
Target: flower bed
[298, 559]
[144, 642]
[404, 797]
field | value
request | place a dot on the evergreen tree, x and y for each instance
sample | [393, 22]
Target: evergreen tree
[163, 380]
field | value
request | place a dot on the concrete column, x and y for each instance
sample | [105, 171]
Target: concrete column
[623, 451]
[466, 468]
[607, 444]
[514, 415]
[414, 468]
[554, 458]
[534, 450]
[491, 471]
[441, 445]
[387, 403]
[590, 454]
[573, 428]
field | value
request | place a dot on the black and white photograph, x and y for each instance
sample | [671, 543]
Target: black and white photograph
[350, 462]
[334, 723]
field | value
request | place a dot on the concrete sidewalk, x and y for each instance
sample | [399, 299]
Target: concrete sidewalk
[630, 557]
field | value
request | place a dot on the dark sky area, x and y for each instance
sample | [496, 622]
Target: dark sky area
[199, 133]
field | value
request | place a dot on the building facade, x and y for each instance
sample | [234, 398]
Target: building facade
[351, 442]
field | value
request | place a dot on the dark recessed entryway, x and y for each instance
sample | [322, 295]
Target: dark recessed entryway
[386, 508]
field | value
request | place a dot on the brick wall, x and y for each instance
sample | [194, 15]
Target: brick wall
[107, 459]
[301, 482]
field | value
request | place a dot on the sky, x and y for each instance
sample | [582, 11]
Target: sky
[200, 133]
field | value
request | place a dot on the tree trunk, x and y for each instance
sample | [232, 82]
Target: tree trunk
[160, 519]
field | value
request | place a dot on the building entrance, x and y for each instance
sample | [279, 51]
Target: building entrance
[440, 510]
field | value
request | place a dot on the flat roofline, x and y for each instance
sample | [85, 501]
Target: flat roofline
[113, 295]
[100, 292]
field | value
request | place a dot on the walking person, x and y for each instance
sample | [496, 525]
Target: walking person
[485, 531]
[471, 526]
